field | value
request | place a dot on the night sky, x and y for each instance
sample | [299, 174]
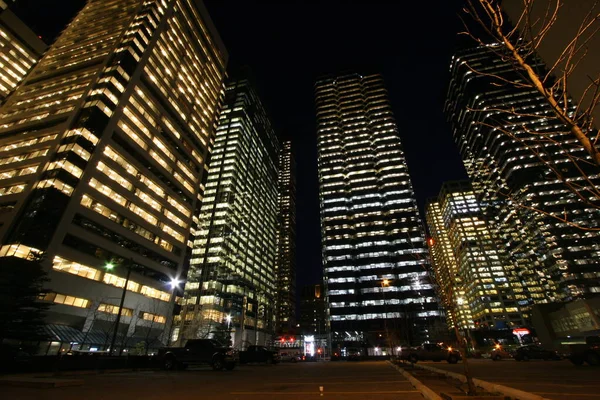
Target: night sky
[288, 46]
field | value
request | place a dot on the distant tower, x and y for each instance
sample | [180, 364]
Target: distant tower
[286, 241]
[232, 278]
[102, 154]
[471, 265]
[21, 49]
[373, 245]
[312, 311]
[555, 260]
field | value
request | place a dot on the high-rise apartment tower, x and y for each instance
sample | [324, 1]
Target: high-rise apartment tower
[374, 252]
[102, 154]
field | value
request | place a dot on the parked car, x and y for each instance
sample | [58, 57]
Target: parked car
[197, 351]
[354, 354]
[430, 352]
[534, 352]
[588, 352]
[258, 354]
[498, 353]
[290, 357]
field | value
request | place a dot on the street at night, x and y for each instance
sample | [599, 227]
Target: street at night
[225, 199]
[556, 380]
[340, 380]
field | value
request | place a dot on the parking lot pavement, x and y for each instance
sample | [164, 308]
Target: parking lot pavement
[557, 380]
[335, 380]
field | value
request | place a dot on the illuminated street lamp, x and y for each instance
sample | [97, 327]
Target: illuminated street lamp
[175, 283]
[110, 266]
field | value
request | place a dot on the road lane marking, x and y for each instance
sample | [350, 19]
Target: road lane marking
[317, 393]
[569, 394]
[336, 383]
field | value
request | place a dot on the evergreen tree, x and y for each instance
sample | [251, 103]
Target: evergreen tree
[21, 312]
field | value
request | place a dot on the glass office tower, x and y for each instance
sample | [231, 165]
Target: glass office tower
[232, 279]
[374, 252]
[102, 154]
[478, 283]
[509, 140]
[286, 241]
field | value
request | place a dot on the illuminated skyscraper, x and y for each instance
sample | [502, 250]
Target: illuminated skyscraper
[374, 251]
[475, 277]
[232, 278]
[554, 260]
[286, 241]
[20, 50]
[102, 155]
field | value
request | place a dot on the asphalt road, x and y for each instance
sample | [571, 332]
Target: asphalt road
[556, 380]
[340, 380]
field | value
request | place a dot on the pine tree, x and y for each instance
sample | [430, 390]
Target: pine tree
[21, 312]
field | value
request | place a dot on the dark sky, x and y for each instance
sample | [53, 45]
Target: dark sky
[289, 44]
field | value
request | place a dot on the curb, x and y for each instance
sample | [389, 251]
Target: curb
[99, 371]
[489, 386]
[40, 383]
[417, 384]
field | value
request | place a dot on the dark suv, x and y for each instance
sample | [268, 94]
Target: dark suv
[197, 351]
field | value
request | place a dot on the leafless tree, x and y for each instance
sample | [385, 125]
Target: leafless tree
[447, 286]
[517, 43]
[98, 321]
[153, 327]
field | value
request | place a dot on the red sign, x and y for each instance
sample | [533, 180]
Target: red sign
[521, 331]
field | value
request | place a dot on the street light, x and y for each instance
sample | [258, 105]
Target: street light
[385, 282]
[228, 319]
[110, 266]
[175, 283]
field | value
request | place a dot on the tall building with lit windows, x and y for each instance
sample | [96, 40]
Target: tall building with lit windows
[509, 140]
[374, 252]
[20, 50]
[478, 284]
[232, 278]
[286, 241]
[102, 157]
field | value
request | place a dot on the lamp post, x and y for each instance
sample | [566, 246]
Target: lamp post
[228, 319]
[385, 282]
[174, 286]
[109, 267]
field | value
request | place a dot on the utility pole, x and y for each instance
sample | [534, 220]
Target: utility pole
[114, 337]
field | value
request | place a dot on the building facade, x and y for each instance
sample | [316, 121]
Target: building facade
[529, 177]
[478, 284]
[232, 278]
[286, 241]
[103, 149]
[374, 253]
[21, 49]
